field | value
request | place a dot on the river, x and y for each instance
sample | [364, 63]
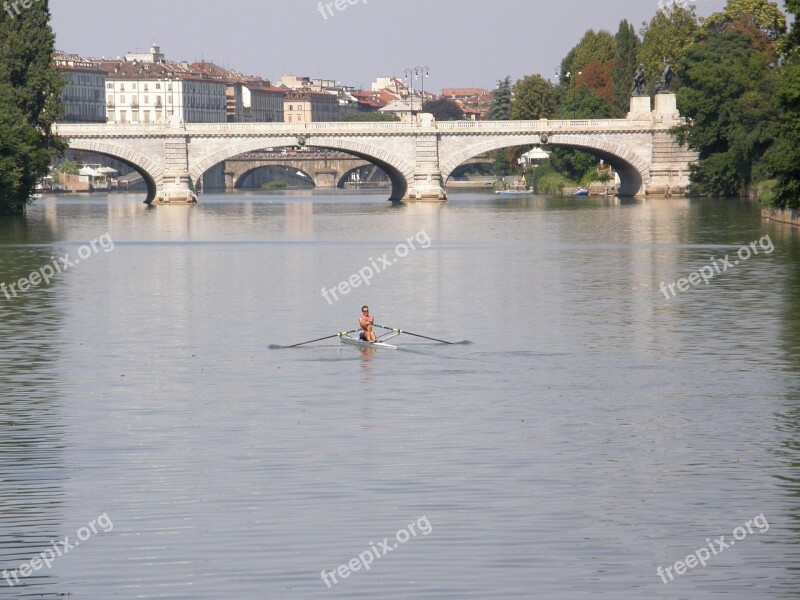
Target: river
[595, 429]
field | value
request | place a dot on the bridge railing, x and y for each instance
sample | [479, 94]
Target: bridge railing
[346, 127]
[543, 124]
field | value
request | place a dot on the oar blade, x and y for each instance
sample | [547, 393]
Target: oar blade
[330, 337]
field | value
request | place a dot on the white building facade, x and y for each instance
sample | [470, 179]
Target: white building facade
[83, 97]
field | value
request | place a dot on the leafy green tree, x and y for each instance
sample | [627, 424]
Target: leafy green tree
[669, 34]
[727, 95]
[579, 102]
[501, 101]
[764, 16]
[29, 89]
[625, 64]
[784, 157]
[361, 117]
[443, 109]
[595, 46]
[534, 98]
[792, 41]
[23, 157]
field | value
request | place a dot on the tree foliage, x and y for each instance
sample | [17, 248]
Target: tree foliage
[784, 157]
[534, 98]
[501, 101]
[762, 15]
[595, 46]
[625, 64]
[599, 78]
[369, 116]
[669, 34]
[443, 109]
[579, 102]
[727, 94]
[29, 105]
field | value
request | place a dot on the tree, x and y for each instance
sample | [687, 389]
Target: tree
[598, 77]
[727, 95]
[784, 157]
[369, 116]
[443, 109]
[669, 34]
[625, 63]
[579, 102]
[758, 18]
[29, 105]
[595, 46]
[534, 98]
[23, 158]
[501, 101]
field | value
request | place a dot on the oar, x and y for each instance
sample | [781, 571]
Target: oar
[424, 337]
[276, 347]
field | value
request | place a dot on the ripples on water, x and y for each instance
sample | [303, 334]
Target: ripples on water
[592, 432]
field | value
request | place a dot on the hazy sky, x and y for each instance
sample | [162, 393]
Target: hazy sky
[466, 43]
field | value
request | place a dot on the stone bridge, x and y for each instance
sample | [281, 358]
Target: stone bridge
[418, 157]
[325, 169]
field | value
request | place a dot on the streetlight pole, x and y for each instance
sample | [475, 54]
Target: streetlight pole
[409, 75]
[423, 73]
[571, 85]
[417, 73]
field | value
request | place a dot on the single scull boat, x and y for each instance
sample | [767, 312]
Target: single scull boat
[344, 338]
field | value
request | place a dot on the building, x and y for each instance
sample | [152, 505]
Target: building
[262, 102]
[307, 106]
[293, 82]
[391, 84]
[84, 95]
[143, 92]
[399, 108]
[146, 88]
[475, 102]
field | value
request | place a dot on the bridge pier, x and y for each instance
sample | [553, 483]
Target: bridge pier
[176, 184]
[427, 185]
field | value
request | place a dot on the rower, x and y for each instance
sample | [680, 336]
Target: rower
[366, 322]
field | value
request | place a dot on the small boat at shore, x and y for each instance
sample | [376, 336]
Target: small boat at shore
[514, 192]
[581, 192]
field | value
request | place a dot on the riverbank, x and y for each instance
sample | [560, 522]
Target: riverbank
[782, 215]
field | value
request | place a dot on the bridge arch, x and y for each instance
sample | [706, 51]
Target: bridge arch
[633, 170]
[239, 177]
[345, 176]
[151, 172]
[400, 173]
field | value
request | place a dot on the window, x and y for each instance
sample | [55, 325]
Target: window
[147, 99]
[109, 86]
[145, 88]
[158, 86]
[122, 99]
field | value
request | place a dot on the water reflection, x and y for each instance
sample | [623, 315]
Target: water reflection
[594, 430]
[32, 430]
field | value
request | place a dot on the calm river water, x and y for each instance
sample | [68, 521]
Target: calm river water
[592, 432]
